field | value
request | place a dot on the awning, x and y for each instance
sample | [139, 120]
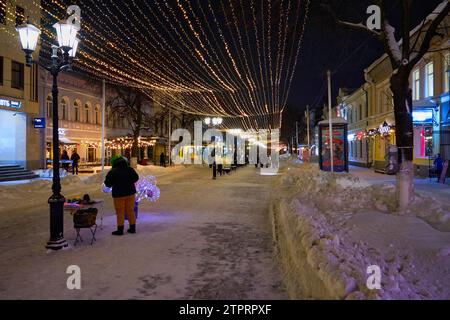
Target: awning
[66, 141]
[424, 104]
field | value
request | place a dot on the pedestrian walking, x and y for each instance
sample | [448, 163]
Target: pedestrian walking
[65, 158]
[438, 165]
[122, 179]
[75, 159]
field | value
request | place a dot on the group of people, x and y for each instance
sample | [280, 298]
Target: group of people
[75, 158]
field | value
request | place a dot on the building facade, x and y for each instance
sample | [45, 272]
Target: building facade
[19, 94]
[370, 112]
[80, 117]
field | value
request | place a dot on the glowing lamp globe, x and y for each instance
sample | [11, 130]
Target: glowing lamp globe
[29, 36]
[67, 34]
[208, 121]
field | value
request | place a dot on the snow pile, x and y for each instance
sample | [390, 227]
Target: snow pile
[330, 228]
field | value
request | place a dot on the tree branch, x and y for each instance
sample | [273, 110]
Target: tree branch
[436, 19]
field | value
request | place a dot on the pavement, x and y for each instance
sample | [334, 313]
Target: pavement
[424, 185]
[203, 239]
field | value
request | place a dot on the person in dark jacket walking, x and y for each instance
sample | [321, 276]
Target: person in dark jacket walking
[65, 157]
[438, 165]
[75, 158]
[162, 159]
[122, 179]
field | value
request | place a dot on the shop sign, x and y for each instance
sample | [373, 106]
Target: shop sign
[10, 103]
[360, 135]
[384, 128]
[423, 115]
[39, 123]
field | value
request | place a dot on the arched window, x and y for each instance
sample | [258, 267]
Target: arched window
[97, 115]
[76, 111]
[49, 104]
[87, 113]
[63, 112]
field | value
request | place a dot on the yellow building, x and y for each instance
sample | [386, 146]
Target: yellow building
[375, 123]
[20, 142]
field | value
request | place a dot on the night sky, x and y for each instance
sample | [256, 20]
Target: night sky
[345, 52]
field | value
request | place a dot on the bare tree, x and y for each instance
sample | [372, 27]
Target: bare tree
[403, 55]
[129, 103]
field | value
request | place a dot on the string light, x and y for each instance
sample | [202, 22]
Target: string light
[179, 53]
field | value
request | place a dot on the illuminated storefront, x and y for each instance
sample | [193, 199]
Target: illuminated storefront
[426, 136]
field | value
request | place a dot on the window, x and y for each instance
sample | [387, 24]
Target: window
[20, 15]
[416, 85]
[446, 70]
[360, 148]
[97, 115]
[87, 113]
[17, 71]
[34, 88]
[63, 115]
[76, 112]
[3, 11]
[1, 71]
[429, 80]
[49, 104]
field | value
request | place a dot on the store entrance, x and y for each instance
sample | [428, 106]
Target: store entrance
[12, 138]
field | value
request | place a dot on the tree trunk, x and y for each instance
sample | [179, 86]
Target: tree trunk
[135, 147]
[404, 137]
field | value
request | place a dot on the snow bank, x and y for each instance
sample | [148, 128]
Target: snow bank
[330, 228]
[36, 192]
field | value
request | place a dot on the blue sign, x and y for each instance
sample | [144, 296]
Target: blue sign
[39, 123]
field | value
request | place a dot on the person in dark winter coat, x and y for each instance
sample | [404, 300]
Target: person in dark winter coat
[122, 179]
[438, 165]
[75, 158]
[65, 157]
[162, 159]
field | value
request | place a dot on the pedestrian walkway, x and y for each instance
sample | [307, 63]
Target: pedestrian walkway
[427, 186]
[203, 239]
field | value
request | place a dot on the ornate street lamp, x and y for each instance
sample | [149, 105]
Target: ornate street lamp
[68, 44]
[217, 121]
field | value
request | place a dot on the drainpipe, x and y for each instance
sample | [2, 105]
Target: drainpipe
[367, 122]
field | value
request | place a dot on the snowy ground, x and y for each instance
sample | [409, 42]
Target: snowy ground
[329, 229]
[203, 239]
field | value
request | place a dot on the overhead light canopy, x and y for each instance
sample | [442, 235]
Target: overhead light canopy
[67, 34]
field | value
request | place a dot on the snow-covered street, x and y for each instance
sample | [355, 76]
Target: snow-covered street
[203, 239]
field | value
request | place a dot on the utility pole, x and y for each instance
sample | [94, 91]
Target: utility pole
[330, 121]
[307, 124]
[170, 136]
[103, 124]
[296, 138]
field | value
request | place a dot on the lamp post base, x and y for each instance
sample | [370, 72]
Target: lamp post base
[57, 240]
[57, 244]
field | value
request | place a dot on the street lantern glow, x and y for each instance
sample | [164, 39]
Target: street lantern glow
[217, 121]
[29, 35]
[73, 52]
[66, 33]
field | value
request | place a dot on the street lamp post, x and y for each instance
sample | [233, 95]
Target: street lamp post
[212, 123]
[68, 44]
